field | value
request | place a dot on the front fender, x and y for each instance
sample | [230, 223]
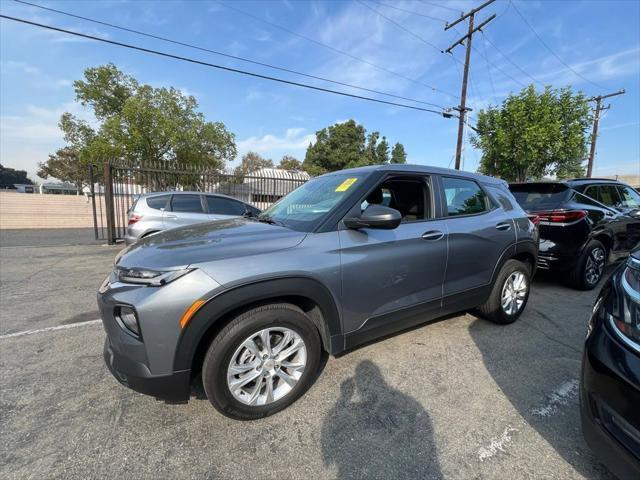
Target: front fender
[220, 304]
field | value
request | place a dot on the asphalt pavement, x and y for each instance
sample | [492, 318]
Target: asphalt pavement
[459, 398]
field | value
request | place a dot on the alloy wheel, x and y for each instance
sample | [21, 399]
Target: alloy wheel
[595, 266]
[266, 366]
[514, 293]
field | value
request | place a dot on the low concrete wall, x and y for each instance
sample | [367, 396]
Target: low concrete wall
[24, 210]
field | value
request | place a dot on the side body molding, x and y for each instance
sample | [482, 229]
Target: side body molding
[222, 303]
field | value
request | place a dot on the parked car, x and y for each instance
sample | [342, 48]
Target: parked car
[154, 212]
[584, 224]
[610, 380]
[251, 304]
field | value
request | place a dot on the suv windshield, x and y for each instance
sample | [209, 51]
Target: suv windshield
[539, 196]
[305, 207]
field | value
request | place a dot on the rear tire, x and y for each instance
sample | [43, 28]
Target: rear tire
[238, 354]
[509, 294]
[590, 267]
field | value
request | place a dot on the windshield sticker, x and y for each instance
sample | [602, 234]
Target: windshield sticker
[344, 186]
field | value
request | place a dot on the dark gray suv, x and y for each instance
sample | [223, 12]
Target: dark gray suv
[251, 304]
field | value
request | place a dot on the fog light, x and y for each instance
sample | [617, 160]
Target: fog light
[127, 318]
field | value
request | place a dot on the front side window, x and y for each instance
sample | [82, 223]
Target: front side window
[224, 206]
[630, 198]
[408, 195]
[464, 197]
[186, 204]
[309, 204]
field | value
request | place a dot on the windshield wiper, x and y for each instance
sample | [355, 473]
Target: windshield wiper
[269, 220]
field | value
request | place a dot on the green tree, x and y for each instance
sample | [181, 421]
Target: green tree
[382, 151]
[345, 145]
[534, 134]
[65, 165]
[290, 163]
[139, 123]
[11, 176]
[252, 161]
[398, 155]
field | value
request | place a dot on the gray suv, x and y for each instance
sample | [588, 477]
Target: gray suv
[251, 304]
[153, 212]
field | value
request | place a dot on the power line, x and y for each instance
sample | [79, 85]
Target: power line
[401, 27]
[510, 61]
[552, 51]
[489, 62]
[493, 87]
[213, 65]
[412, 12]
[234, 57]
[442, 6]
[333, 49]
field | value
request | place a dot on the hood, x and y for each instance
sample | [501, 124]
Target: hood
[206, 242]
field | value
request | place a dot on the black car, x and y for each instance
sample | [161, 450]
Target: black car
[584, 224]
[610, 380]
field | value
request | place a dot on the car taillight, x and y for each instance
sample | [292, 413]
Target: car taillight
[535, 219]
[133, 218]
[561, 216]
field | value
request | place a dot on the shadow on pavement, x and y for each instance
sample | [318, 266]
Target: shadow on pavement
[536, 364]
[375, 431]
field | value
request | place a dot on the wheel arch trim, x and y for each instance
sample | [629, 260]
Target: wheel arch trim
[222, 304]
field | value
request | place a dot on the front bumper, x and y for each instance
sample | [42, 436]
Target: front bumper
[609, 399]
[145, 363]
[136, 376]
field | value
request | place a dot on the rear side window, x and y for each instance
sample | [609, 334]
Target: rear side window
[464, 197]
[158, 202]
[605, 194]
[503, 197]
[540, 196]
[224, 206]
[186, 204]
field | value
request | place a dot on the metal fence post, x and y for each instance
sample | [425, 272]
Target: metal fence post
[92, 192]
[108, 204]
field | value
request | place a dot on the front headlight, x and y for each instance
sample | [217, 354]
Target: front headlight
[143, 276]
[625, 317]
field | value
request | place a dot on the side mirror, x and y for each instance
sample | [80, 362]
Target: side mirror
[375, 216]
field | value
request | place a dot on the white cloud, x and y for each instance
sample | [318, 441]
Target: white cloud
[294, 142]
[33, 75]
[366, 35]
[27, 138]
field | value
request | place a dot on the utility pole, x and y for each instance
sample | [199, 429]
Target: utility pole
[462, 109]
[596, 122]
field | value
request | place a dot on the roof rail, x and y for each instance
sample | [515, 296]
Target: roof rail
[589, 179]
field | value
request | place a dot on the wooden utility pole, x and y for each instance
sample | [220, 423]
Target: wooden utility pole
[462, 108]
[596, 122]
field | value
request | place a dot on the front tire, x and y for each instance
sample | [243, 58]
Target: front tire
[590, 267]
[509, 294]
[261, 362]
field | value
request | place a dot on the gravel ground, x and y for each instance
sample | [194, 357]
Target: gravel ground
[459, 398]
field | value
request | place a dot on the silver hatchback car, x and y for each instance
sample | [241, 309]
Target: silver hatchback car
[154, 212]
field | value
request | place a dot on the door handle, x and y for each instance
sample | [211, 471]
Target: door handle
[503, 226]
[432, 235]
[171, 216]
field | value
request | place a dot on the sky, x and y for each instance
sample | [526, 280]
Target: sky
[389, 46]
